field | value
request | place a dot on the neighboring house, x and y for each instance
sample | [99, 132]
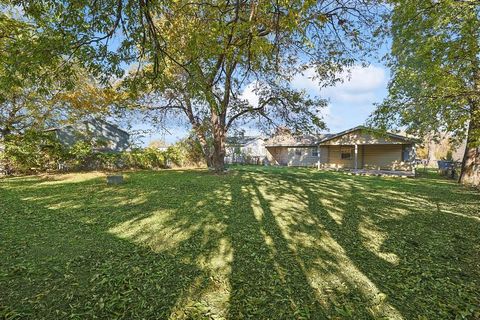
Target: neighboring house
[160, 145]
[441, 148]
[356, 148]
[245, 149]
[108, 137]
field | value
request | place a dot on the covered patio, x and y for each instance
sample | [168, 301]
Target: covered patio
[360, 149]
[386, 157]
[364, 152]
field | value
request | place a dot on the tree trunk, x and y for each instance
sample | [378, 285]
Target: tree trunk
[219, 135]
[471, 167]
[4, 132]
[199, 131]
[470, 172]
[207, 154]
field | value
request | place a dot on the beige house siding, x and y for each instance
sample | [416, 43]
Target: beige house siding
[302, 157]
[324, 152]
[382, 156]
[377, 157]
[292, 156]
[386, 157]
[277, 155]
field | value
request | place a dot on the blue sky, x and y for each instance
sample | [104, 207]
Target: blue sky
[350, 102]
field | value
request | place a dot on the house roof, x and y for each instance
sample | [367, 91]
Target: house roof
[92, 121]
[389, 134]
[296, 141]
[314, 140]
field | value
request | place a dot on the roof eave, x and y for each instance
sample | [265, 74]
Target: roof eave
[291, 146]
[406, 139]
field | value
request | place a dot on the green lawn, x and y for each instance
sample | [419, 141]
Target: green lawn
[260, 243]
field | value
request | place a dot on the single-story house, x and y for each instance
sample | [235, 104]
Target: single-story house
[107, 136]
[245, 149]
[356, 148]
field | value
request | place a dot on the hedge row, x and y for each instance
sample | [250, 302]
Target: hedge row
[36, 151]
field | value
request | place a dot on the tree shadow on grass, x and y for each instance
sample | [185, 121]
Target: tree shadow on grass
[254, 243]
[62, 255]
[165, 246]
[401, 248]
[334, 281]
[267, 278]
[420, 257]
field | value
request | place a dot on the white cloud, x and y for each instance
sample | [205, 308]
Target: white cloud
[249, 94]
[306, 81]
[15, 11]
[357, 85]
[350, 101]
[345, 96]
[363, 79]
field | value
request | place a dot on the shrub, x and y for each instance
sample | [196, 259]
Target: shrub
[33, 151]
[37, 151]
[189, 152]
[80, 155]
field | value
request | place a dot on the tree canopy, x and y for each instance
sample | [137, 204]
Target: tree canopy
[195, 58]
[435, 63]
[38, 86]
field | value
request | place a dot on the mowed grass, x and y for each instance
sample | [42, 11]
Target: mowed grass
[259, 243]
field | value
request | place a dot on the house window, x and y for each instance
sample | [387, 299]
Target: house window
[346, 153]
[406, 153]
[298, 152]
[314, 152]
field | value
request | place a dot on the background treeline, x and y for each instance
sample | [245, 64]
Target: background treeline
[39, 151]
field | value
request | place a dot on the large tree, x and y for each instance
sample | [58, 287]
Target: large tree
[435, 63]
[180, 101]
[20, 72]
[194, 58]
[37, 86]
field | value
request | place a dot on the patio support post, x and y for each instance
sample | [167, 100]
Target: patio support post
[356, 157]
[318, 156]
